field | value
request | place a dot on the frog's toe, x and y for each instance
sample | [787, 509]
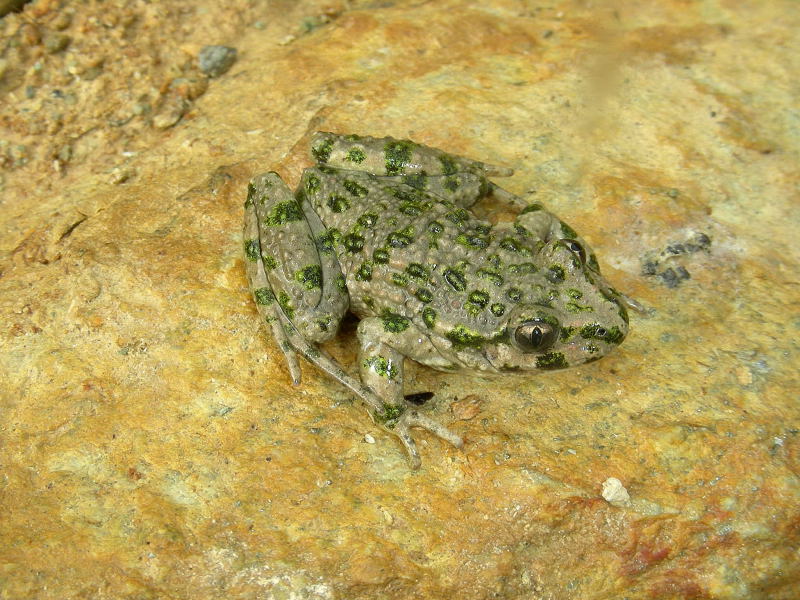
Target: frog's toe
[497, 170]
[633, 303]
[412, 418]
[402, 431]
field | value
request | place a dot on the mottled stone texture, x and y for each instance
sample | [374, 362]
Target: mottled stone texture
[151, 445]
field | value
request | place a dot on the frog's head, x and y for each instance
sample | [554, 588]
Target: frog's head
[574, 316]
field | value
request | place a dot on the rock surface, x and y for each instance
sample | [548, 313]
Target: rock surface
[151, 444]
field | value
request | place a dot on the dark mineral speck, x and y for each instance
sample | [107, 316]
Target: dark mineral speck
[216, 60]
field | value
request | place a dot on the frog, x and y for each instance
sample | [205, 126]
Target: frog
[382, 228]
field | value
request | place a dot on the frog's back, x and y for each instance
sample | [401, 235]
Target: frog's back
[410, 251]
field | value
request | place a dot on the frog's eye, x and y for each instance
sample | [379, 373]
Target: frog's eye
[535, 335]
[576, 248]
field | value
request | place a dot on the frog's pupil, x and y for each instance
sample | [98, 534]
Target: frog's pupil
[535, 336]
[577, 249]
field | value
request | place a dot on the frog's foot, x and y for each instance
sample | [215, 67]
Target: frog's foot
[411, 418]
[390, 156]
[381, 367]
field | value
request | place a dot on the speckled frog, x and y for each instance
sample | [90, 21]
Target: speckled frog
[381, 227]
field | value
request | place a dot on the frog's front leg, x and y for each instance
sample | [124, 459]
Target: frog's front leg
[381, 368]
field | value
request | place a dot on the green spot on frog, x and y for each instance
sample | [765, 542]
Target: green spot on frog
[568, 231]
[309, 277]
[456, 279]
[322, 151]
[391, 413]
[417, 180]
[356, 155]
[491, 275]
[424, 295]
[592, 262]
[567, 332]
[394, 323]
[458, 217]
[574, 294]
[380, 256]
[364, 272]
[397, 154]
[525, 268]
[312, 184]
[417, 271]
[451, 184]
[494, 260]
[268, 261]
[284, 212]
[596, 331]
[340, 283]
[448, 165]
[402, 238]
[574, 307]
[381, 366]
[353, 242]
[251, 194]
[404, 193]
[286, 305]
[498, 309]
[399, 279]
[337, 203]
[532, 208]
[356, 189]
[514, 294]
[264, 296]
[367, 220]
[512, 245]
[551, 360]
[435, 227]
[463, 337]
[310, 352]
[473, 240]
[412, 209]
[368, 301]
[521, 231]
[326, 241]
[429, 317]
[479, 298]
[251, 248]
[555, 274]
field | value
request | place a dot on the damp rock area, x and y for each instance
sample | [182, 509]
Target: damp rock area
[152, 443]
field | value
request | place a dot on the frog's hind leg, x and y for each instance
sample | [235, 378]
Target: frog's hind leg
[293, 283]
[262, 290]
[390, 156]
[381, 368]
